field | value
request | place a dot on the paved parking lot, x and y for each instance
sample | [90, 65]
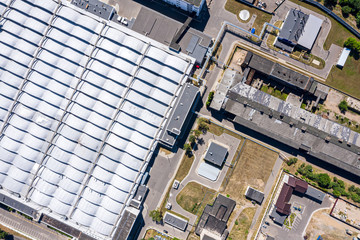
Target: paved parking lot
[301, 220]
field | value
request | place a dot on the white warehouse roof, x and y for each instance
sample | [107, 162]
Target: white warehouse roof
[343, 57]
[82, 103]
[311, 31]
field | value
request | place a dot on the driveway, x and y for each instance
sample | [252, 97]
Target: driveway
[193, 176]
[301, 221]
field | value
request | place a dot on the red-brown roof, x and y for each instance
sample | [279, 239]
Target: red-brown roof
[292, 181]
[282, 205]
[301, 186]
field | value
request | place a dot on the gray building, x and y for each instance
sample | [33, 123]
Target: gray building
[315, 195]
[163, 29]
[175, 221]
[299, 29]
[254, 195]
[214, 218]
[319, 137]
[180, 115]
[279, 73]
[216, 154]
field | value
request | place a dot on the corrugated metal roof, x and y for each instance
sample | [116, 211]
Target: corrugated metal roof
[343, 57]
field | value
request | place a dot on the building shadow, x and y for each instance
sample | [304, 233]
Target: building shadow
[283, 147]
[177, 14]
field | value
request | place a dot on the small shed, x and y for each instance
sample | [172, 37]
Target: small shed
[216, 154]
[175, 221]
[254, 195]
[343, 57]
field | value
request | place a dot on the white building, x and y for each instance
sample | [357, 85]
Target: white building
[188, 5]
[82, 104]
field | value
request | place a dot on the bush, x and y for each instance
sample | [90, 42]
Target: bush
[352, 188]
[156, 215]
[352, 43]
[336, 193]
[324, 180]
[292, 161]
[192, 139]
[187, 148]
[346, 10]
[343, 106]
[210, 98]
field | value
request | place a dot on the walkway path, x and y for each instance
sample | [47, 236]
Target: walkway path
[193, 176]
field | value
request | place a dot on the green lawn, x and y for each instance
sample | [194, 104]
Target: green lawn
[184, 167]
[235, 7]
[346, 79]
[240, 230]
[194, 196]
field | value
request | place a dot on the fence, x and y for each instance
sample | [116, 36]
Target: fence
[336, 17]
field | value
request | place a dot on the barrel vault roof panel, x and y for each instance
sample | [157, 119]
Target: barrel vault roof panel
[82, 104]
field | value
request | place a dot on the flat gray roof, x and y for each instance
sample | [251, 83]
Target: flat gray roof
[277, 217]
[126, 224]
[216, 154]
[175, 221]
[293, 26]
[255, 195]
[291, 77]
[179, 114]
[8, 201]
[311, 31]
[261, 64]
[315, 194]
[295, 127]
[96, 7]
[162, 28]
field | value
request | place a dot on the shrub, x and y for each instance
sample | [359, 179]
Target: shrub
[336, 193]
[156, 215]
[292, 161]
[324, 180]
[187, 148]
[343, 106]
[346, 10]
[203, 126]
[352, 188]
[192, 139]
[210, 98]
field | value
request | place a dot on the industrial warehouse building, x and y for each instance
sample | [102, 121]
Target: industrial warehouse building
[83, 103]
[299, 29]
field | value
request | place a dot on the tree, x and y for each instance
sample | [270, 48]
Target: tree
[350, 42]
[192, 139]
[358, 19]
[343, 106]
[324, 180]
[292, 161]
[187, 148]
[3, 234]
[336, 193]
[352, 188]
[196, 132]
[156, 215]
[346, 10]
[203, 126]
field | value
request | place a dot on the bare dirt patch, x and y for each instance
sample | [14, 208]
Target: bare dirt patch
[253, 168]
[332, 101]
[328, 227]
